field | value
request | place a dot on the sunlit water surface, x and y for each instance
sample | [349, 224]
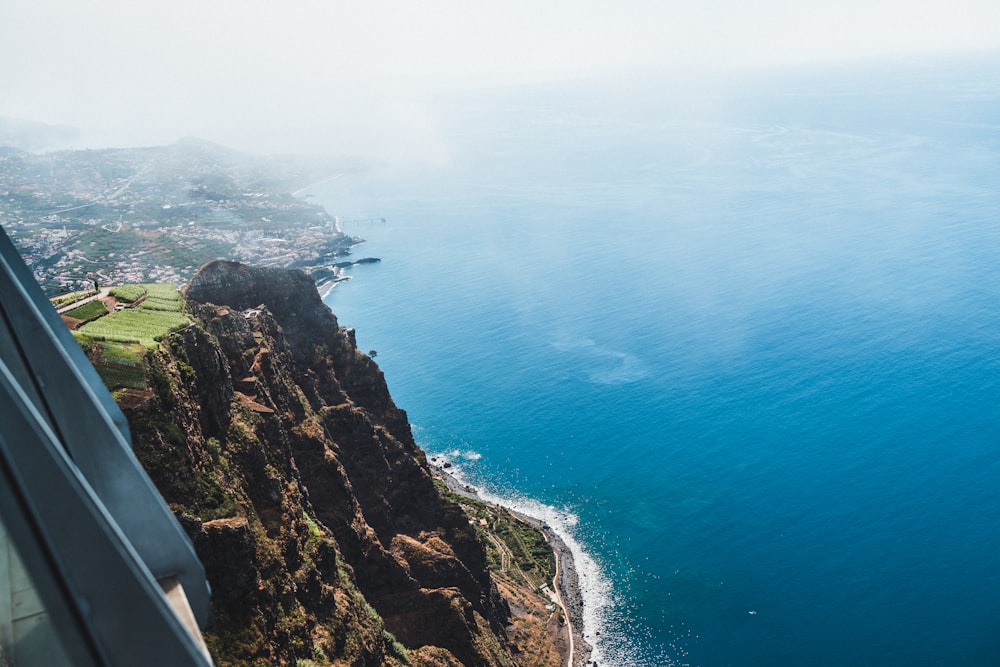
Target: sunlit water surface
[745, 354]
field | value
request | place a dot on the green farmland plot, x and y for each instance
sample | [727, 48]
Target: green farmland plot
[159, 300]
[128, 293]
[135, 326]
[122, 354]
[162, 291]
[117, 377]
[147, 323]
[88, 311]
[120, 365]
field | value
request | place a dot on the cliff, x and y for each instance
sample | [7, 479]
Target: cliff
[323, 535]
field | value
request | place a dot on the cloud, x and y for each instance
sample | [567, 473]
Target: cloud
[248, 69]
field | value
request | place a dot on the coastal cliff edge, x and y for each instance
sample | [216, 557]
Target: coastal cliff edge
[323, 534]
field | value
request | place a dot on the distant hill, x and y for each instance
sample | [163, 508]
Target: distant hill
[32, 136]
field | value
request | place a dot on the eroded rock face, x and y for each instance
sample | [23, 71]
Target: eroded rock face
[279, 446]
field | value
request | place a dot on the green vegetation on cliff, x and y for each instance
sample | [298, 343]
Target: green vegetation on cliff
[514, 546]
[282, 593]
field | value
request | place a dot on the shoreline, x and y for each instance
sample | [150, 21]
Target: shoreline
[568, 592]
[338, 274]
[325, 285]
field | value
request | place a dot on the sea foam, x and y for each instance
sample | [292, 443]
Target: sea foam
[596, 589]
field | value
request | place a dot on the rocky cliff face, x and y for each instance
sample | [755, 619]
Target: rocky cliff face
[324, 537]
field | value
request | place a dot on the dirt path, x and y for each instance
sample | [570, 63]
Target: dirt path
[557, 598]
[505, 555]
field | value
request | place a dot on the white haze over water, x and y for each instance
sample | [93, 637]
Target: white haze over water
[360, 77]
[730, 346]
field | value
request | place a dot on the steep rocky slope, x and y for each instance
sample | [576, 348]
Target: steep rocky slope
[324, 537]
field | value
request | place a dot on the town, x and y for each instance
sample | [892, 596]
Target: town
[154, 215]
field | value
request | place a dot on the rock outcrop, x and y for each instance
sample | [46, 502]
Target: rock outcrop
[324, 537]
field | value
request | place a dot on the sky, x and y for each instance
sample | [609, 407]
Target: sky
[331, 75]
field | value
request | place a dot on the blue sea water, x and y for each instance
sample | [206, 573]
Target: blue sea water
[743, 343]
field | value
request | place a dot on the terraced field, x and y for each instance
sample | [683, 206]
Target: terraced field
[513, 547]
[158, 311]
[88, 311]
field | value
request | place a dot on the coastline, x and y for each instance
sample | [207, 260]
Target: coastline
[568, 592]
[326, 285]
[338, 274]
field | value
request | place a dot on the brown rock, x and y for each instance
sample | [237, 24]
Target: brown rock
[277, 442]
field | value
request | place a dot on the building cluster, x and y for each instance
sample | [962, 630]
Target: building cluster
[117, 217]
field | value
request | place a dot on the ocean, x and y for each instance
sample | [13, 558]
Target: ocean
[738, 340]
